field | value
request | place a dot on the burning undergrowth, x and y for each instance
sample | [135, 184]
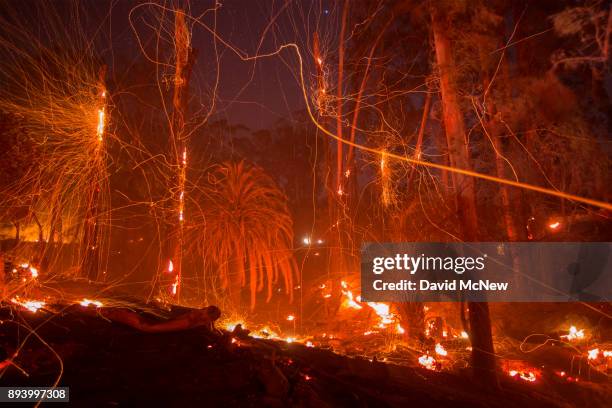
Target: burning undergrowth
[367, 336]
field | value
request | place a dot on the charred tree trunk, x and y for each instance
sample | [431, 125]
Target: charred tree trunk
[483, 358]
[184, 59]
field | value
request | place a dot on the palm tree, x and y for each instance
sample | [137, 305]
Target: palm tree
[248, 231]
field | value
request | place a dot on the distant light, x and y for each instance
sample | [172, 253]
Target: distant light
[319, 241]
[306, 240]
[554, 225]
[291, 318]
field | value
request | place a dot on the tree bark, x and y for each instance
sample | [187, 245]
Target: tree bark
[184, 59]
[483, 357]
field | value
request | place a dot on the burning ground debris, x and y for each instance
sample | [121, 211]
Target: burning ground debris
[126, 349]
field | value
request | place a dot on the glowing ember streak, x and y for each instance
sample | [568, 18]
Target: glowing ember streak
[574, 334]
[319, 61]
[170, 266]
[31, 305]
[87, 302]
[400, 329]
[440, 350]
[593, 354]
[100, 130]
[428, 362]
[554, 225]
[291, 318]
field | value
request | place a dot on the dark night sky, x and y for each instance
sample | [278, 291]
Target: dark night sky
[255, 94]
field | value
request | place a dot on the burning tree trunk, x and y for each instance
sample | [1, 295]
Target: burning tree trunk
[337, 195]
[185, 57]
[483, 358]
[330, 181]
[91, 244]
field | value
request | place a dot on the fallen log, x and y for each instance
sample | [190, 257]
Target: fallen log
[188, 319]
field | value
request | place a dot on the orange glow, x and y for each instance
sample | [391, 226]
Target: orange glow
[554, 225]
[291, 318]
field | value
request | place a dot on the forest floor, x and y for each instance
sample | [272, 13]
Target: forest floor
[108, 364]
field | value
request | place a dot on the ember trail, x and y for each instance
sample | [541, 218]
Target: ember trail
[185, 188]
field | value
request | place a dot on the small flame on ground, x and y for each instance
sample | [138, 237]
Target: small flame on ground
[440, 350]
[31, 305]
[593, 354]
[428, 362]
[525, 376]
[574, 334]
[87, 302]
